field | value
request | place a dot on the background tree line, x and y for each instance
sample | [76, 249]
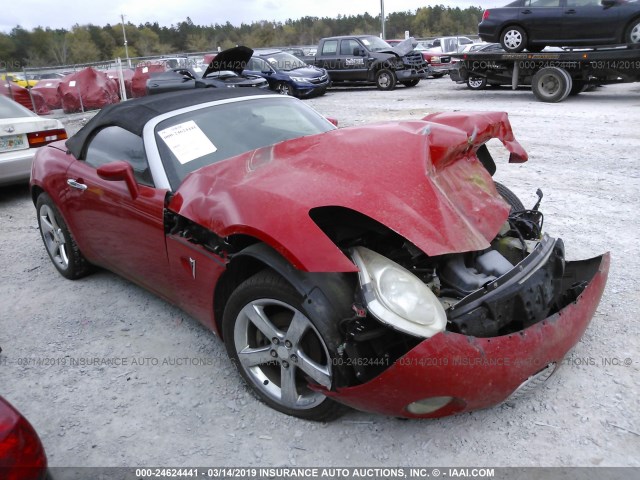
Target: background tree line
[90, 43]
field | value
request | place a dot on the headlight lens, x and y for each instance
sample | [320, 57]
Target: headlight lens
[300, 79]
[396, 297]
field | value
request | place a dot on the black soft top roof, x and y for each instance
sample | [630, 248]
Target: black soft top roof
[133, 115]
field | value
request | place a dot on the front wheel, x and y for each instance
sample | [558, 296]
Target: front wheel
[61, 247]
[284, 88]
[511, 198]
[385, 80]
[279, 350]
[513, 39]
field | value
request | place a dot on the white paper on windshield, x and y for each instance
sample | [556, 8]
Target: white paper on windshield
[72, 83]
[187, 142]
[145, 69]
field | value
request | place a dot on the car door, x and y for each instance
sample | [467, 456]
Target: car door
[354, 64]
[327, 57]
[542, 19]
[115, 230]
[589, 20]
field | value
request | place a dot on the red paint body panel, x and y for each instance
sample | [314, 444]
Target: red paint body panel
[422, 179]
[494, 368]
[194, 294]
[134, 245]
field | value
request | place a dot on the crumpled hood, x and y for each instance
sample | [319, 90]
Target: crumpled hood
[421, 179]
[403, 48]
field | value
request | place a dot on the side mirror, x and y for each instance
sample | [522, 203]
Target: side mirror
[608, 3]
[120, 171]
[333, 121]
[359, 52]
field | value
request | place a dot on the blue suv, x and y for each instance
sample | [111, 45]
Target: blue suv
[287, 74]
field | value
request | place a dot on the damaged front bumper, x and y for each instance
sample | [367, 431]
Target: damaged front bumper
[451, 373]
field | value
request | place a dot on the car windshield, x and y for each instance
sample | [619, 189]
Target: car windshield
[10, 109]
[205, 136]
[284, 61]
[221, 74]
[375, 44]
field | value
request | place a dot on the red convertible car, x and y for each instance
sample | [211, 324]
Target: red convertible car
[377, 267]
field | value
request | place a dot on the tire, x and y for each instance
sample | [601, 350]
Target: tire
[535, 48]
[551, 84]
[410, 83]
[283, 88]
[58, 241]
[569, 85]
[513, 39]
[385, 79]
[510, 197]
[578, 87]
[632, 34]
[477, 83]
[257, 325]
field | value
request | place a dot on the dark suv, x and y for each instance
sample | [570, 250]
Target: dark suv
[288, 74]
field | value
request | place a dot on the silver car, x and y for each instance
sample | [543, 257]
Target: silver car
[21, 133]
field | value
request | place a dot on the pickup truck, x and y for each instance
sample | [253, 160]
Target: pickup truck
[367, 60]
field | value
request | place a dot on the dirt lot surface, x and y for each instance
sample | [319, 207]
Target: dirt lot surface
[179, 402]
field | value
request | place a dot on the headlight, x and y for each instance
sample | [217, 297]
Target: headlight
[396, 297]
[231, 86]
[435, 59]
[301, 79]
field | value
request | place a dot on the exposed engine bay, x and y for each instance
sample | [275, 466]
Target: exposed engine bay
[406, 296]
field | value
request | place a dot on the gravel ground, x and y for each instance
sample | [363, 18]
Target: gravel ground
[158, 410]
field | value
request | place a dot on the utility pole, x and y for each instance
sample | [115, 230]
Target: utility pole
[384, 35]
[124, 34]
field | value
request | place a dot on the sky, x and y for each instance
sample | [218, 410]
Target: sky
[65, 13]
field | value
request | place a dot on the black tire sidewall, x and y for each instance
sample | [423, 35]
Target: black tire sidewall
[509, 197]
[78, 266]
[268, 284]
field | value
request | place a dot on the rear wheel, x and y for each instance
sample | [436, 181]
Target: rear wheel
[633, 32]
[61, 247]
[513, 39]
[279, 350]
[411, 83]
[385, 80]
[477, 83]
[551, 84]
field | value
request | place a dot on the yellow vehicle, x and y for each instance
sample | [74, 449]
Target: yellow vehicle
[19, 79]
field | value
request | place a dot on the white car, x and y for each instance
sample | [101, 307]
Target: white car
[21, 133]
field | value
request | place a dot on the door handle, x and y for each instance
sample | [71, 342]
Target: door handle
[570, 12]
[73, 184]
[526, 12]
